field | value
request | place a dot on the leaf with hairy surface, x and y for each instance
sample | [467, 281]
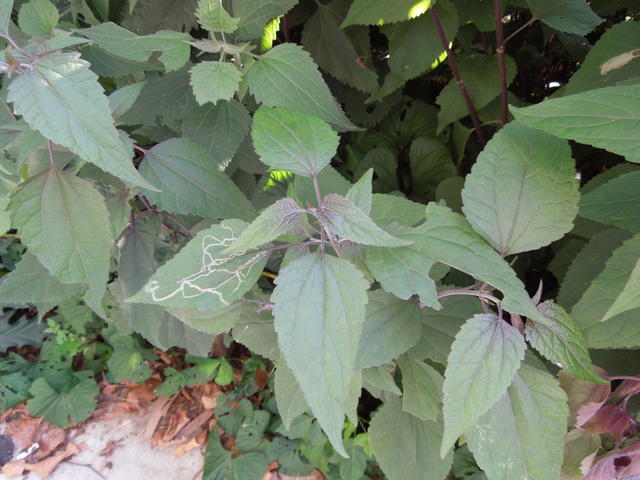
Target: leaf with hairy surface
[522, 436]
[214, 81]
[213, 17]
[319, 310]
[484, 358]
[61, 98]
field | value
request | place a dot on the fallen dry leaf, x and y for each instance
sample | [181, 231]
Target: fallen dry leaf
[43, 468]
[185, 447]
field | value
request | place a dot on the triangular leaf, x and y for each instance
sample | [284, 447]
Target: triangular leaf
[360, 192]
[61, 98]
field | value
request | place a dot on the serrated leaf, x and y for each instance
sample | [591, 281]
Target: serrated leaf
[598, 302]
[293, 141]
[421, 388]
[617, 40]
[333, 48]
[484, 358]
[65, 223]
[31, 282]
[403, 271]
[219, 128]
[616, 203]
[61, 98]
[522, 436]
[21, 332]
[317, 296]
[392, 326]
[277, 219]
[570, 16]
[360, 192]
[201, 276]
[289, 397]
[562, 343]
[483, 86]
[448, 237]
[406, 446]
[286, 76]
[38, 17]
[604, 118]
[118, 41]
[380, 12]
[407, 61]
[255, 14]
[63, 408]
[213, 17]
[343, 218]
[214, 81]
[190, 183]
[378, 379]
[536, 198]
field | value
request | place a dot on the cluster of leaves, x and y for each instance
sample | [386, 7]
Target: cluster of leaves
[165, 160]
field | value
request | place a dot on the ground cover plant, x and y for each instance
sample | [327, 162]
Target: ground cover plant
[400, 237]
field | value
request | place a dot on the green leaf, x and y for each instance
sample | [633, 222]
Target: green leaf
[333, 49]
[536, 197]
[380, 12]
[292, 141]
[570, 16]
[214, 81]
[605, 118]
[213, 17]
[256, 332]
[440, 328]
[281, 217]
[392, 326]
[587, 264]
[360, 192]
[316, 297]
[522, 436]
[255, 14]
[118, 41]
[201, 276]
[65, 223]
[289, 397]
[38, 17]
[219, 128]
[406, 446]
[421, 388]
[286, 76]
[66, 406]
[150, 16]
[6, 7]
[61, 98]
[482, 80]
[404, 271]
[562, 343]
[343, 218]
[216, 322]
[430, 162]
[616, 203]
[127, 360]
[448, 237]
[484, 358]
[21, 332]
[392, 208]
[407, 61]
[14, 388]
[31, 282]
[121, 100]
[378, 379]
[611, 297]
[190, 183]
[618, 40]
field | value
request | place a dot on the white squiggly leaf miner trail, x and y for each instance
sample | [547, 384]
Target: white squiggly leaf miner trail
[210, 266]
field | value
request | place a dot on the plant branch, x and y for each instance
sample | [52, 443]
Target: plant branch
[52, 158]
[456, 74]
[531, 21]
[474, 293]
[173, 219]
[504, 102]
[262, 305]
